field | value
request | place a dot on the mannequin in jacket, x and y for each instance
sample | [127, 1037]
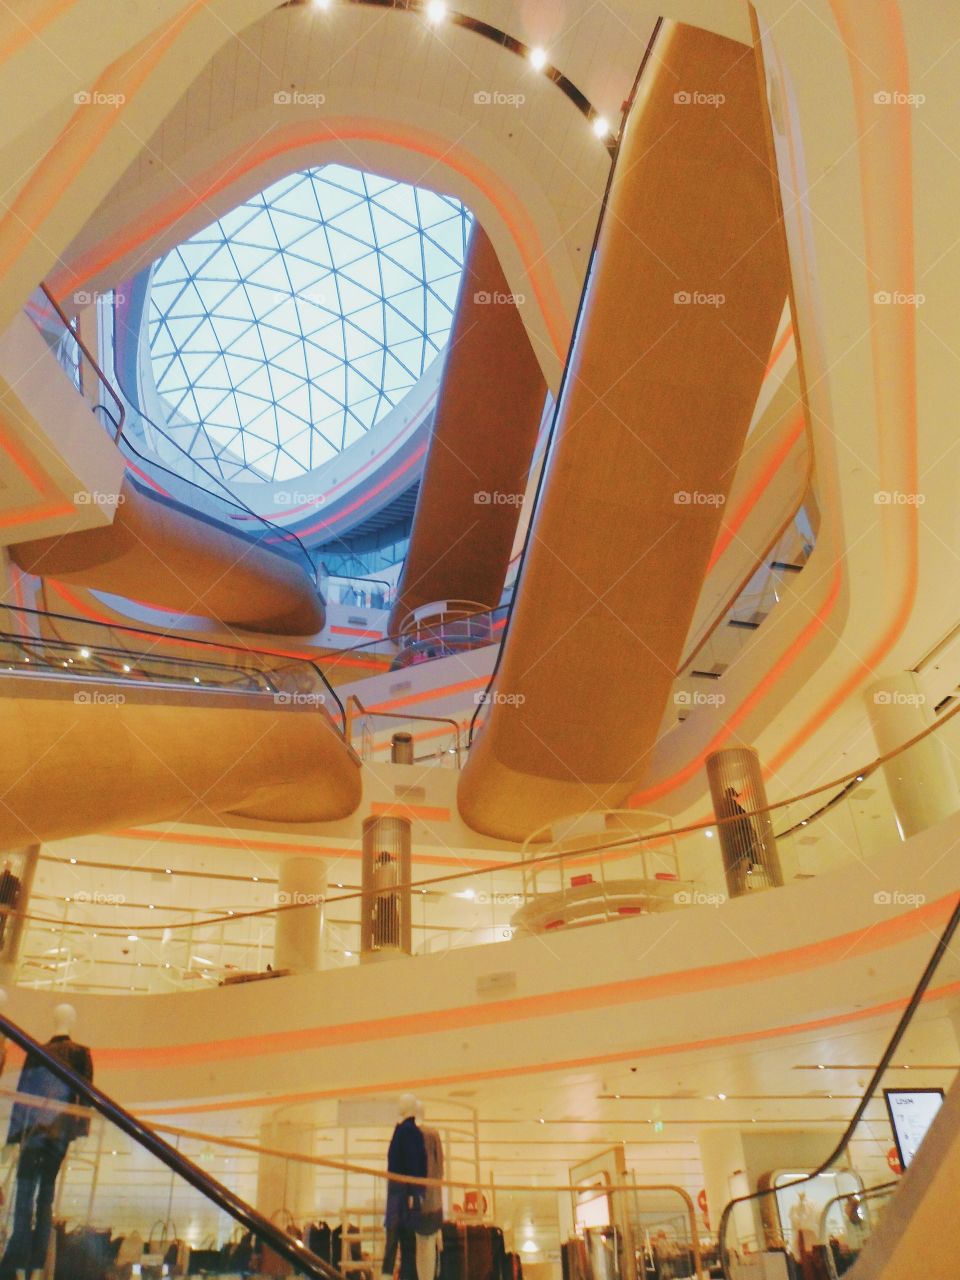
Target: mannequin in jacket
[407, 1156]
[43, 1136]
[429, 1238]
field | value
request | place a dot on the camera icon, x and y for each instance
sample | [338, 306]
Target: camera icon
[482, 298]
[883, 498]
[283, 699]
[682, 299]
[82, 698]
[682, 498]
[482, 498]
[682, 98]
[83, 98]
[683, 898]
[883, 698]
[883, 298]
[883, 898]
[483, 97]
[283, 98]
[481, 699]
[682, 698]
[883, 97]
[283, 899]
[82, 298]
[82, 896]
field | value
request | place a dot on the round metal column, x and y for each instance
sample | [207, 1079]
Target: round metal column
[401, 748]
[385, 888]
[745, 828]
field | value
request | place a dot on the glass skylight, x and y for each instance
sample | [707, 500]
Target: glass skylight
[283, 332]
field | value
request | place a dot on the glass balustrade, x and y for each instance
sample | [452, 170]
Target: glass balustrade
[90, 1190]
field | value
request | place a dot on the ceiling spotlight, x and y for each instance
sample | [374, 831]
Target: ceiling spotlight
[601, 126]
[84, 653]
[721, 1097]
[321, 4]
[538, 58]
[859, 777]
[436, 11]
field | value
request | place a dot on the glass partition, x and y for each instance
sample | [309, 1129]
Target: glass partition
[93, 1191]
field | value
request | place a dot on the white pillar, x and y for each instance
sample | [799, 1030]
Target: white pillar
[301, 894]
[286, 1189]
[921, 781]
[724, 1164]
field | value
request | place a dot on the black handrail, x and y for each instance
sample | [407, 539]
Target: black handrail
[164, 635]
[943, 944]
[292, 1250]
[575, 333]
[82, 348]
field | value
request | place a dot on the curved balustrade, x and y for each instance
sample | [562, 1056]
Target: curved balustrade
[604, 867]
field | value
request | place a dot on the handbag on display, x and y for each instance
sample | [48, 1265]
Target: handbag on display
[155, 1250]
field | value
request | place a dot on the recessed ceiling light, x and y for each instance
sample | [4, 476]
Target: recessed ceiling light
[321, 4]
[538, 58]
[435, 11]
[721, 1097]
[601, 126]
[84, 653]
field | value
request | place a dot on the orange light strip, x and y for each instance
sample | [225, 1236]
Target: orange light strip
[30, 30]
[735, 973]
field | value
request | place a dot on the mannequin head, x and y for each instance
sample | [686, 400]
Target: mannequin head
[407, 1106]
[64, 1020]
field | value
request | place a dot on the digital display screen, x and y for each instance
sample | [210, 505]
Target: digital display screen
[912, 1112]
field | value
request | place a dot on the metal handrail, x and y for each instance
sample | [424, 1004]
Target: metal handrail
[404, 717]
[191, 640]
[567, 368]
[943, 945]
[292, 1250]
[91, 360]
[285, 535]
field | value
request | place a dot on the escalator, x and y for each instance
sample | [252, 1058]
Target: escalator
[121, 1188]
[881, 1204]
[103, 728]
[182, 544]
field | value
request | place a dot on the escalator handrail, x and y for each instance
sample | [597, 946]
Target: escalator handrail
[285, 535]
[292, 1250]
[567, 368]
[91, 360]
[943, 945]
[192, 640]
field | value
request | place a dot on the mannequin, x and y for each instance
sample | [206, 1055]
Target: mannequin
[429, 1238]
[9, 892]
[407, 1155]
[43, 1136]
[803, 1220]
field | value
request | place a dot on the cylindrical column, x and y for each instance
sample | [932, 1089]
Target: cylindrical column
[401, 748]
[921, 781]
[745, 828]
[17, 870]
[286, 1188]
[385, 898]
[301, 893]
